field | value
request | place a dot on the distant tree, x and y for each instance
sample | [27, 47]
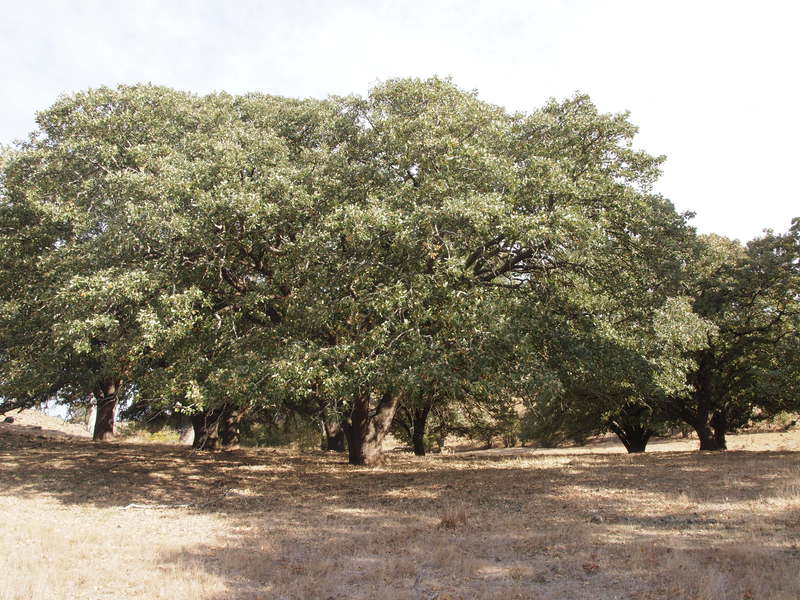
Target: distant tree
[616, 369]
[748, 369]
[424, 424]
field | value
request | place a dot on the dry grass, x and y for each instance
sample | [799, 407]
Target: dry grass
[578, 523]
[454, 517]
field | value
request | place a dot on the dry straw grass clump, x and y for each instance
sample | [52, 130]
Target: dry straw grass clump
[454, 516]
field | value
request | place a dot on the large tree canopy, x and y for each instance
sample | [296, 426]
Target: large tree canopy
[336, 256]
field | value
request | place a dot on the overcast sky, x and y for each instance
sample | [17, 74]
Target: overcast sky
[712, 85]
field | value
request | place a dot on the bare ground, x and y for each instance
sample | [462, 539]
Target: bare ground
[123, 520]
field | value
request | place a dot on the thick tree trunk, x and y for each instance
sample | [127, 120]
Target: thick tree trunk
[107, 397]
[633, 437]
[229, 426]
[206, 430]
[706, 417]
[637, 445]
[719, 439]
[704, 423]
[720, 425]
[418, 432]
[707, 439]
[367, 428]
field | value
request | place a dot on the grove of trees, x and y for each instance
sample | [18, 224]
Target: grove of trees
[415, 259]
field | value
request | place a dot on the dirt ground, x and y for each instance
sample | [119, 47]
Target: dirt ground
[81, 520]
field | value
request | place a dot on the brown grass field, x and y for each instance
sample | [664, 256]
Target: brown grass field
[126, 520]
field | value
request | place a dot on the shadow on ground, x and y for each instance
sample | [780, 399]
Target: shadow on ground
[312, 526]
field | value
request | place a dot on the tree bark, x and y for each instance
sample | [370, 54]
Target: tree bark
[418, 442]
[332, 428]
[719, 423]
[706, 415]
[367, 428]
[107, 397]
[631, 426]
[229, 432]
[334, 436]
[418, 432]
[633, 437]
[708, 440]
[206, 430]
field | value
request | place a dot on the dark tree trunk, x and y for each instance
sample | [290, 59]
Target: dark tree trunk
[720, 425]
[708, 440]
[229, 431]
[335, 437]
[705, 417]
[107, 397]
[418, 432]
[719, 439]
[418, 442]
[367, 428]
[705, 423]
[631, 426]
[633, 437]
[206, 430]
[331, 427]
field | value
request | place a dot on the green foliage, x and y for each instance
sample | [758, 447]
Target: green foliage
[749, 367]
[548, 425]
[414, 244]
[291, 430]
[491, 422]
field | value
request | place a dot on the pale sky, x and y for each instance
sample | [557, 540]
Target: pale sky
[712, 85]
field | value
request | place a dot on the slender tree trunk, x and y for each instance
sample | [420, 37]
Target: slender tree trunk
[107, 397]
[332, 428]
[206, 430]
[367, 428]
[418, 434]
